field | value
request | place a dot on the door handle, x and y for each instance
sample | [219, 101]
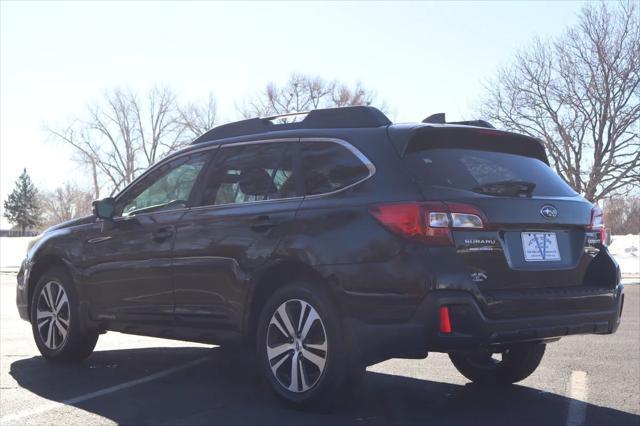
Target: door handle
[162, 234]
[97, 240]
[262, 223]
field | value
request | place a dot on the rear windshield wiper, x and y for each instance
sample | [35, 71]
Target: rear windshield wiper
[507, 188]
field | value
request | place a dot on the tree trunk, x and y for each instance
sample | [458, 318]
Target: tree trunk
[96, 187]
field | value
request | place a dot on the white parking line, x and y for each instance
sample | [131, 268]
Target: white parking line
[578, 391]
[72, 401]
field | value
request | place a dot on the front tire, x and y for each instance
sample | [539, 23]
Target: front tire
[56, 322]
[300, 345]
[513, 365]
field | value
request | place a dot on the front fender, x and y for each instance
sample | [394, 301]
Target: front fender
[55, 247]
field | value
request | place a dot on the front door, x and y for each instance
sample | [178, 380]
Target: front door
[128, 260]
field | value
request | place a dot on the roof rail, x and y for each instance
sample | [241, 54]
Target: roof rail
[288, 114]
[345, 117]
[440, 119]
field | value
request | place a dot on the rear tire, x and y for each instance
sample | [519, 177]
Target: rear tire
[517, 363]
[302, 356]
[55, 319]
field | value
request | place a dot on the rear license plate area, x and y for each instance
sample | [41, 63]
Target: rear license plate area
[540, 247]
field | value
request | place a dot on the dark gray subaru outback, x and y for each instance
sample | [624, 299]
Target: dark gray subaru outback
[330, 244]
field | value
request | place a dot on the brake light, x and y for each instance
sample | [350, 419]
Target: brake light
[429, 222]
[597, 223]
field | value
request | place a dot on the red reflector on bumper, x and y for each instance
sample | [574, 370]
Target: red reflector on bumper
[445, 321]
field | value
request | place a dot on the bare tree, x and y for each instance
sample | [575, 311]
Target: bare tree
[197, 118]
[303, 93]
[622, 215]
[65, 203]
[124, 133]
[580, 94]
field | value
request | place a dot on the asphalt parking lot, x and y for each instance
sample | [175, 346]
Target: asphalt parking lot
[583, 380]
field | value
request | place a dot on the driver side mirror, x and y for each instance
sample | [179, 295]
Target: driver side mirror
[105, 208]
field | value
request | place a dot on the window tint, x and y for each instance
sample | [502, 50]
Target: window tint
[468, 169]
[329, 166]
[484, 170]
[256, 172]
[168, 187]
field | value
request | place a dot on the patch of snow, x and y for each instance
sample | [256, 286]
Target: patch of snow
[625, 245]
[626, 250]
[12, 251]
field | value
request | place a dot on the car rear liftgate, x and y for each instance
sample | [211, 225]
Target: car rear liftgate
[531, 230]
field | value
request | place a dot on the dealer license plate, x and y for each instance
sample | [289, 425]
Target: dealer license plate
[540, 246]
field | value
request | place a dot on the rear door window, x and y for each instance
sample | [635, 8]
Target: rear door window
[471, 170]
[330, 166]
[249, 173]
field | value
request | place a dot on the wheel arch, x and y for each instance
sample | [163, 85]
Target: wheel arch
[271, 279]
[40, 267]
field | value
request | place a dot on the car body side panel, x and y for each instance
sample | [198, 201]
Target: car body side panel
[127, 269]
[337, 228]
[60, 244]
[217, 251]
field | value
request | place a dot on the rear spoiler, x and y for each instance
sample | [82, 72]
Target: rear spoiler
[439, 118]
[408, 139]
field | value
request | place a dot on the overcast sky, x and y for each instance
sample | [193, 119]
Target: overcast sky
[421, 58]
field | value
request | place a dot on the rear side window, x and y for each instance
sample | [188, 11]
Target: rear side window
[247, 173]
[329, 166]
[474, 170]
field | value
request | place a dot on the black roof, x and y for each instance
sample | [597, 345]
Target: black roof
[359, 117]
[330, 118]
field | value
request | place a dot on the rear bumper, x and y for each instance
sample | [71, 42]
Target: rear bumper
[472, 329]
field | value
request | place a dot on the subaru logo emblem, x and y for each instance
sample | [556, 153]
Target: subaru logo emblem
[548, 211]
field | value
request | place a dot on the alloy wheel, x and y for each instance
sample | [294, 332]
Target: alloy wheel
[297, 345]
[53, 315]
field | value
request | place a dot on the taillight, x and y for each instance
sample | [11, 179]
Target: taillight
[403, 219]
[429, 222]
[597, 223]
[436, 224]
[465, 216]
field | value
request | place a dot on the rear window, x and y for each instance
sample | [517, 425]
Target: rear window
[470, 169]
[329, 166]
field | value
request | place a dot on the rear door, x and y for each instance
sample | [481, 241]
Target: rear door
[248, 201]
[535, 224]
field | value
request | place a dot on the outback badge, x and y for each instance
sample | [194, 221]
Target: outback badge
[478, 277]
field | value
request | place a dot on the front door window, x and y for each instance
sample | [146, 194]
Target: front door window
[167, 188]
